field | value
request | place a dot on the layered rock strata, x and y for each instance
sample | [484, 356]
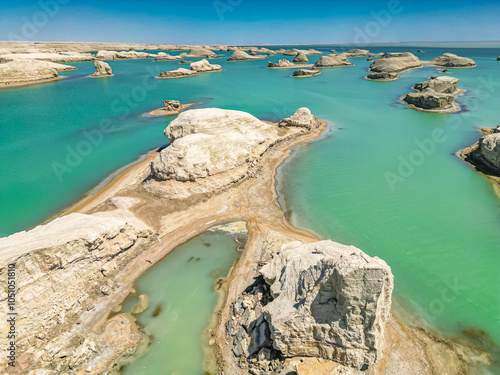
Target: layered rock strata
[65, 274]
[393, 63]
[437, 94]
[450, 60]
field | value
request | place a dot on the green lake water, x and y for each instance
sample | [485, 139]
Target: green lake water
[183, 284]
[436, 223]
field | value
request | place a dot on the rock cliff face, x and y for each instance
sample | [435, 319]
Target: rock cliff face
[382, 76]
[332, 61]
[64, 271]
[221, 144]
[394, 63]
[102, 69]
[322, 300]
[451, 60]
[283, 63]
[437, 94]
[488, 151]
[243, 56]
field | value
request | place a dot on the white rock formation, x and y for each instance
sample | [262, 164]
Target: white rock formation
[332, 61]
[394, 63]
[451, 60]
[239, 55]
[20, 72]
[204, 66]
[489, 150]
[102, 69]
[65, 271]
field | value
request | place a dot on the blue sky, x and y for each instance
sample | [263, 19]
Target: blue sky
[250, 21]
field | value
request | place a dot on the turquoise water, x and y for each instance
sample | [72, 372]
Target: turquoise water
[183, 285]
[437, 226]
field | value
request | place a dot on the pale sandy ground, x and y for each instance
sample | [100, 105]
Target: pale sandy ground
[409, 349]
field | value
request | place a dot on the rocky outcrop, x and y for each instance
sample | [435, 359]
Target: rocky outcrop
[173, 107]
[198, 67]
[295, 51]
[442, 84]
[301, 58]
[283, 63]
[243, 56]
[498, 58]
[102, 69]
[65, 272]
[430, 100]
[332, 61]
[488, 151]
[382, 76]
[451, 60]
[437, 94]
[162, 56]
[203, 66]
[395, 63]
[124, 55]
[22, 72]
[60, 57]
[177, 73]
[213, 148]
[303, 73]
[322, 300]
[301, 118]
[201, 52]
[357, 53]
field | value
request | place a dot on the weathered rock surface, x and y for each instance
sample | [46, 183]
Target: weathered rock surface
[332, 61]
[429, 99]
[177, 73]
[162, 56]
[61, 57]
[451, 60]
[214, 148]
[357, 52]
[283, 63]
[488, 151]
[383, 76]
[20, 72]
[322, 300]
[442, 84]
[435, 94]
[58, 330]
[303, 73]
[395, 63]
[102, 69]
[204, 66]
[124, 55]
[295, 51]
[201, 52]
[301, 58]
[173, 107]
[243, 56]
[301, 118]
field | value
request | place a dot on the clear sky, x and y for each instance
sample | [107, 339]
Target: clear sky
[250, 21]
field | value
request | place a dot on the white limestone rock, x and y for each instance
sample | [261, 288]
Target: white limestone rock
[329, 301]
